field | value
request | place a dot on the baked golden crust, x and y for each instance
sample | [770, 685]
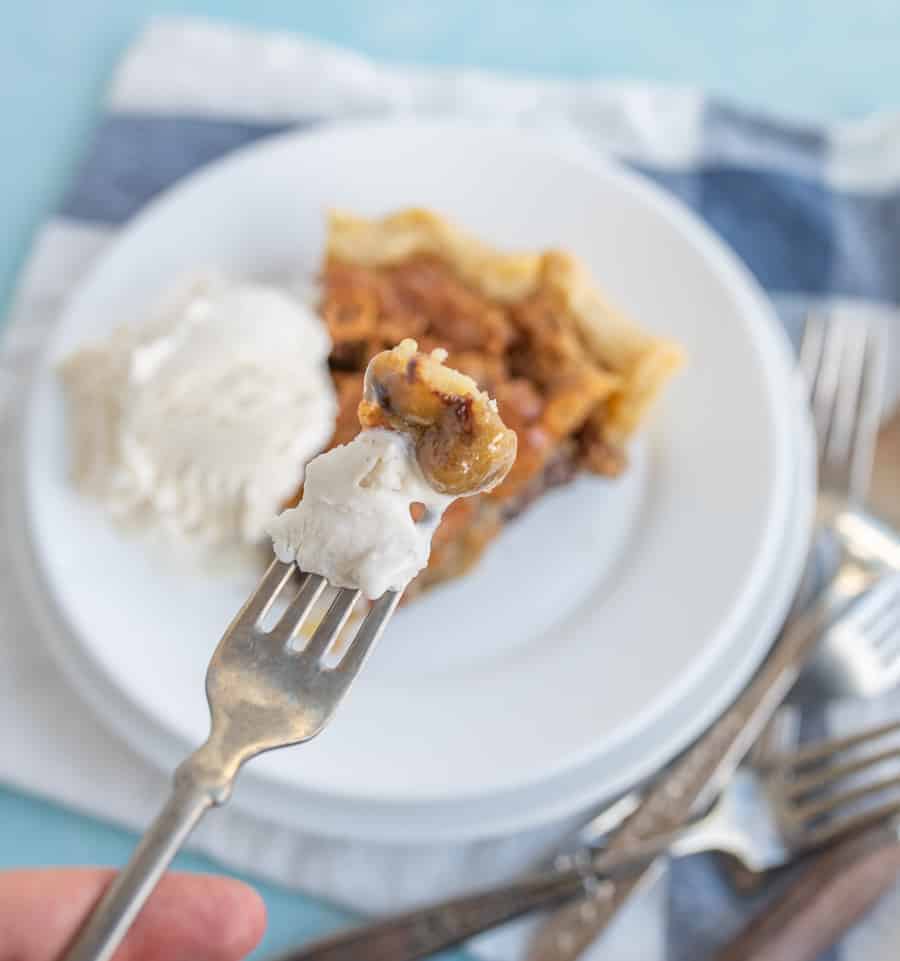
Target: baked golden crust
[640, 362]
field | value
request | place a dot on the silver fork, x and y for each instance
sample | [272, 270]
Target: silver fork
[802, 800]
[263, 694]
[813, 791]
[817, 793]
[844, 365]
[864, 646]
[840, 798]
[861, 653]
[844, 368]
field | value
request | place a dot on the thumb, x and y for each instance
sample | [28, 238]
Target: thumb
[189, 916]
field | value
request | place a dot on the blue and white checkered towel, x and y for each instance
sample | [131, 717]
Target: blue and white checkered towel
[813, 211]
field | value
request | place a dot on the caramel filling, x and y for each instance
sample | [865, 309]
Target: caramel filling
[462, 445]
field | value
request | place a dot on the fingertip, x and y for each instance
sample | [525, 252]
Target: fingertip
[198, 916]
[243, 914]
[202, 916]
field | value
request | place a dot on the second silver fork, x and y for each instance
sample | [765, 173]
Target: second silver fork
[844, 365]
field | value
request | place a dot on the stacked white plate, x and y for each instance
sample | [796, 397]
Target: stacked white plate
[605, 628]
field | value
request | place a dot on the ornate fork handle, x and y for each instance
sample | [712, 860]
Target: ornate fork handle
[698, 775]
[425, 931]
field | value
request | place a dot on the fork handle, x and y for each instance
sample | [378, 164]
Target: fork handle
[434, 927]
[110, 920]
[830, 894]
[422, 932]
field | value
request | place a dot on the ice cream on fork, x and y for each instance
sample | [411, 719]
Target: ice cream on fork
[436, 437]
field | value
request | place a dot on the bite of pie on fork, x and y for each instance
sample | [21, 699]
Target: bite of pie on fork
[429, 436]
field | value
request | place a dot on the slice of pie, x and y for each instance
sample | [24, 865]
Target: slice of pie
[572, 375]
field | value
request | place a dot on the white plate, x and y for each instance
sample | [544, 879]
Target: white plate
[602, 778]
[568, 794]
[595, 614]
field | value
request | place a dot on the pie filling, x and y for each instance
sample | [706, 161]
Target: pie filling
[462, 446]
[571, 376]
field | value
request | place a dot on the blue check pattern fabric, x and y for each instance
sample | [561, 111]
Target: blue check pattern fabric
[813, 211]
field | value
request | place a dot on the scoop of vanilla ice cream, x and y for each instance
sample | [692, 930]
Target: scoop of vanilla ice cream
[354, 525]
[203, 419]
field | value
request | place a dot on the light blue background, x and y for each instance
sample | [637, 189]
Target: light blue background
[825, 59]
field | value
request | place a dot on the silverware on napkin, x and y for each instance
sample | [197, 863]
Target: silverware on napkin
[859, 658]
[844, 368]
[697, 777]
[830, 891]
[755, 818]
[762, 818]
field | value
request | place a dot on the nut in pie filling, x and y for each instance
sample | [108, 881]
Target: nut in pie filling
[572, 376]
[462, 446]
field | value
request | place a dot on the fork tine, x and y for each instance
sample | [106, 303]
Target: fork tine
[849, 395]
[830, 774]
[885, 633]
[878, 606]
[299, 608]
[844, 363]
[821, 360]
[873, 370]
[823, 750]
[811, 346]
[368, 633]
[890, 654]
[810, 810]
[832, 831]
[331, 625]
[782, 731]
[270, 586]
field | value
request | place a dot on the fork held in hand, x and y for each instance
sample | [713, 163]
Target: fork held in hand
[262, 695]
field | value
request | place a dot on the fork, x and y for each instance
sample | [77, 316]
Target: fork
[802, 800]
[848, 662]
[844, 365]
[819, 798]
[263, 694]
[802, 781]
[809, 787]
